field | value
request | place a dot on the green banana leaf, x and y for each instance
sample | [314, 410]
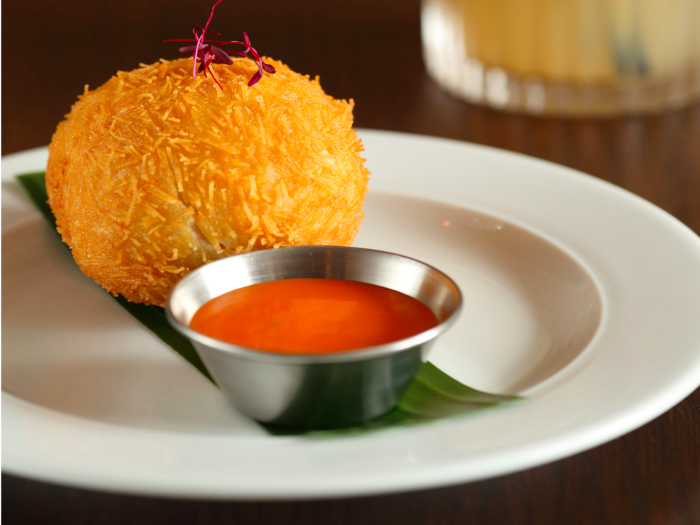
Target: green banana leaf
[433, 395]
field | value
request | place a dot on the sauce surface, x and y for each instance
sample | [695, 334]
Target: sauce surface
[312, 316]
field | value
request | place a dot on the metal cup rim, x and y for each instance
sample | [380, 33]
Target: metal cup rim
[366, 353]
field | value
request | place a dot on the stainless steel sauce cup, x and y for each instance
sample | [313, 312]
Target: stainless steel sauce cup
[315, 391]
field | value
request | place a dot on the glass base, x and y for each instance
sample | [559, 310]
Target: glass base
[467, 78]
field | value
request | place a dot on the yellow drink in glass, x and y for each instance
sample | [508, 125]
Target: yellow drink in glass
[570, 57]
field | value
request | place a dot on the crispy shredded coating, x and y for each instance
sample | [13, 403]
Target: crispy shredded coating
[155, 173]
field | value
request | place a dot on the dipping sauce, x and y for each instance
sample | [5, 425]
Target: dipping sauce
[312, 316]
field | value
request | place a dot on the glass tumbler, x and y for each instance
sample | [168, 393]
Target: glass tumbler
[565, 57]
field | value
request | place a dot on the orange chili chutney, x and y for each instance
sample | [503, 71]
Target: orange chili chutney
[312, 316]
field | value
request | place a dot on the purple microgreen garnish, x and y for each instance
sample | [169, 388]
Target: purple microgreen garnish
[254, 79]
[220, 55]
[206, 52]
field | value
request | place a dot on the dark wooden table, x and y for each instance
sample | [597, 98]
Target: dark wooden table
[369, 50]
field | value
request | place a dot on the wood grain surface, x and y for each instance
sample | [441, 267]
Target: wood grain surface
[370, 51]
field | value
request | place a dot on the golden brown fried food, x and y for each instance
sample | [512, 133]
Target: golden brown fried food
[155, 173]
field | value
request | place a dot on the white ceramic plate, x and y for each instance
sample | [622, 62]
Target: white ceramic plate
[578, 294]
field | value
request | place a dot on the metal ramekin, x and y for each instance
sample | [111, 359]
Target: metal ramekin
[314, 391]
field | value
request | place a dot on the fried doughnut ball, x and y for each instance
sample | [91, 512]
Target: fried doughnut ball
[156, 173]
